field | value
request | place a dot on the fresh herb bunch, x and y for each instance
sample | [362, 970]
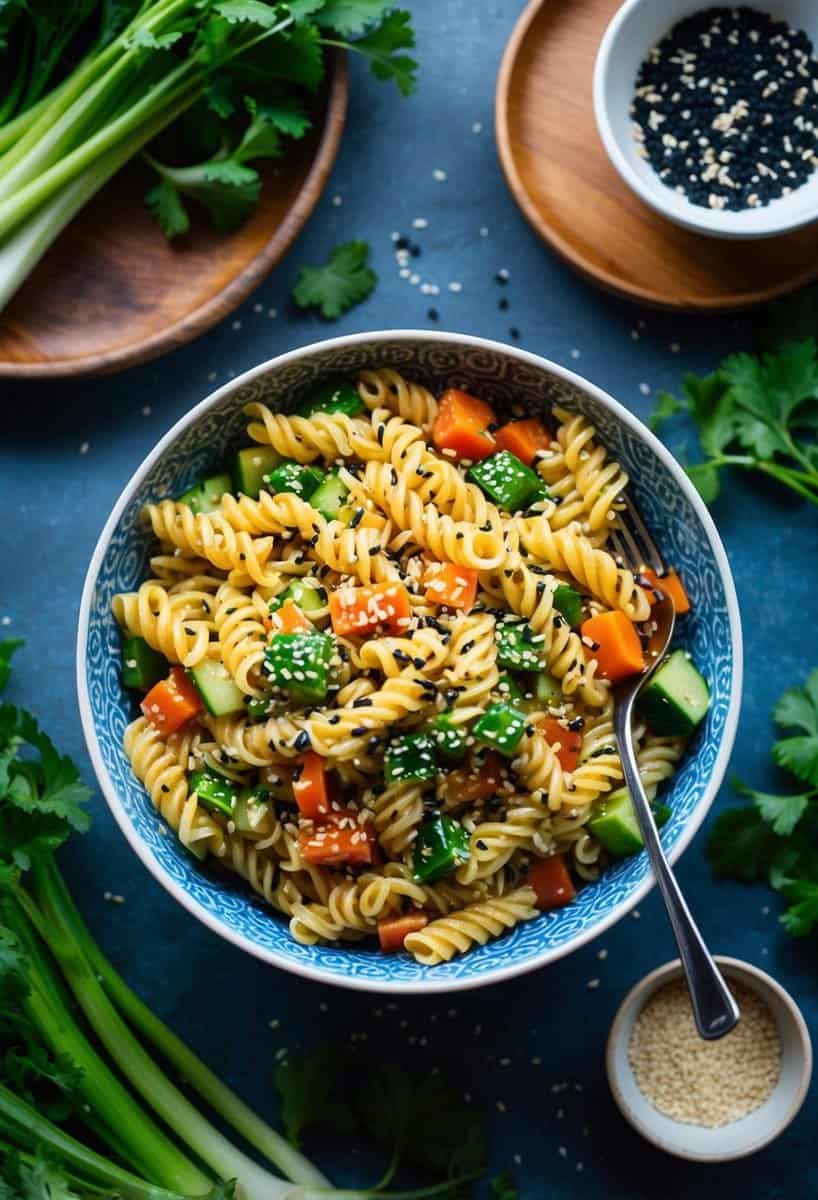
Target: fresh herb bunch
[775, 837]
[754, 412]
[213, 85]
[75, 1072]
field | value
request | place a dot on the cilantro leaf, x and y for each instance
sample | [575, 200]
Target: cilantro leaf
[781, 813]
[344, 281]
[381, 46]
[307, 1086]
[254, 12]
[801, 917]
[13, 969]
[756, 413]
[7, 648]
[798, 707]
[351, 17]
[667, 406]
[740, 845]
[167, 209]
[285, 113]
[502, 1187]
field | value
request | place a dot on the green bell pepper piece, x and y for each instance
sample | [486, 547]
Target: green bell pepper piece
[507, 481]
[409, 757]
[257, 708]
[441, 846]
[213, 790]
[518, 647]
[449, 739]
[298, 663]
[568, 602]
[142, 666]
[509, 689]
[336, 396]
[294, 477]
[500, 727]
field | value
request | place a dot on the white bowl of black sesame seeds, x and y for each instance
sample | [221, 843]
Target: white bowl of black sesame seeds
[710, 114]
[711, 1101]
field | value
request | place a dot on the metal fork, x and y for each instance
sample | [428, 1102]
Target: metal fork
[714, 1008]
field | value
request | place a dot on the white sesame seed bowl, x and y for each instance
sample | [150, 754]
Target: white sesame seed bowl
[769, 1015]
[636, 29]
[213, 430]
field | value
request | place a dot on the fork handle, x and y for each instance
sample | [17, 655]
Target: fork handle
[714, 1008]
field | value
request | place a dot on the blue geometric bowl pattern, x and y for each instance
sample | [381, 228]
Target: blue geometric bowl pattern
[204, 437]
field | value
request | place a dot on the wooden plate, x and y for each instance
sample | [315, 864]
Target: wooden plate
[560, 175]
[112, 291]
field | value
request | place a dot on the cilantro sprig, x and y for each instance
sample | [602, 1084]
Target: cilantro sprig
[342, 282]
[755, 413]
[775, 837]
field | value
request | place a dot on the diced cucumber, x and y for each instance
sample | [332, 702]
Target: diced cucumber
[220, 693]
[677, 698]
[250, 467]
[295, 477]
[568, 602]
[329, 497]
[547, 688]
[206, 497]
[214, 791]
[307, 596]
[252, 811]
[336, 396]
[615, 824]
[142, 666]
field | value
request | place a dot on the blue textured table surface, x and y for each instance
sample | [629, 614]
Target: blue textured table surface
[536, 1061]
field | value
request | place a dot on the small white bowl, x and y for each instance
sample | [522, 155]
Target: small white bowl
[741, 1137]
[635, 29]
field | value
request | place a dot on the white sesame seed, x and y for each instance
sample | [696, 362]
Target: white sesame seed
[439, 175]
[420, 223]
[455, 286]
[85, 447]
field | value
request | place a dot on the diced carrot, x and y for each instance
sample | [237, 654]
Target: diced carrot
[524, 438]
[172, 702]
[289, 619]
[451, 585]
[363, 609]
[462, 425]
[614, 644]
[392, 931]
[669, 585]
[310, 788]
[475, 782]
[338, 840]
[568, 740]
[551, 882]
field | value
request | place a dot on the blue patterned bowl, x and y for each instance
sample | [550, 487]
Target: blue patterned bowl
[674, 513]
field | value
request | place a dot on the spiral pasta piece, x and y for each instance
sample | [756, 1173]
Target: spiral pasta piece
[240, 623]
[531, 595]
[592, 567]
[493, 843]
[162, 766]
[599, 481]
[386, 388]
[304, 439]
[178, 625]
[446, 539]
[476, 924]
[348, 551]
[211, 536]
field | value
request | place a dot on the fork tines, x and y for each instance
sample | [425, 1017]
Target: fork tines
[632, 541]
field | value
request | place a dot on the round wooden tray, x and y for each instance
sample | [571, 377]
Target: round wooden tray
[112, 291]
[560, 175]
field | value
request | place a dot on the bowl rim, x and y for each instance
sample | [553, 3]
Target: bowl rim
[698, 220]
[424, 986]
[739, 970]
